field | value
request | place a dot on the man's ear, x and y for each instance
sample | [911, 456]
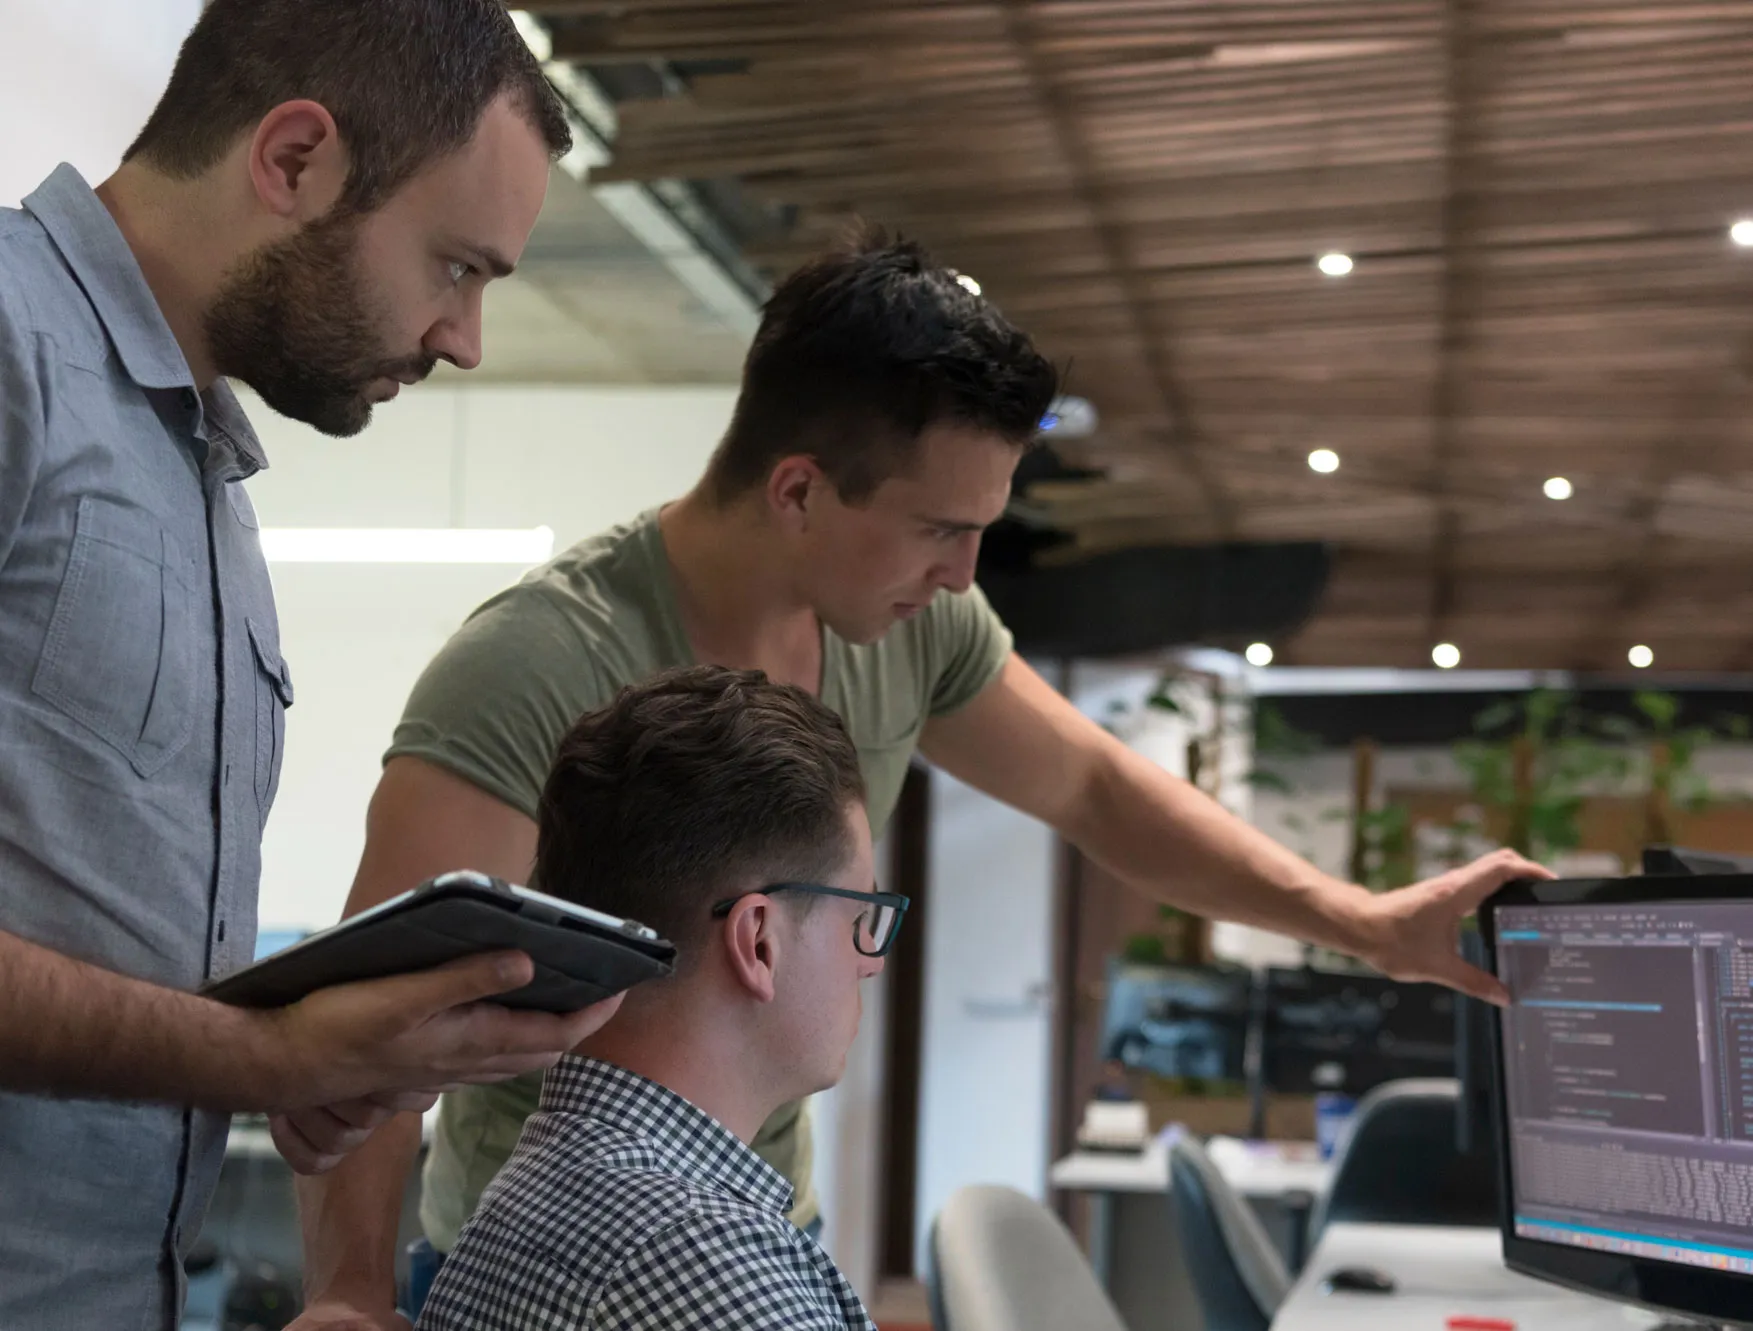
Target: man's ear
[297, 163]
[793, 487]
[752, 946]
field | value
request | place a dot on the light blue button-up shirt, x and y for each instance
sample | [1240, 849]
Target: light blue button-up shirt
[142, 702]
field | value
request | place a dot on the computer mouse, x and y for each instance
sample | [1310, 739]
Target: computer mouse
[1358, 1280]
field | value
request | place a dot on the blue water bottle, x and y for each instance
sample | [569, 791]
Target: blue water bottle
[1333, 1113]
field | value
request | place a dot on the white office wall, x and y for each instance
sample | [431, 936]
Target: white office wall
[356, 636]
[985, 1078]
[988, 970]
[78, 79]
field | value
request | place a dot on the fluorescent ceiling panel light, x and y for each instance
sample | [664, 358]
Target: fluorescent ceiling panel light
[408, 545]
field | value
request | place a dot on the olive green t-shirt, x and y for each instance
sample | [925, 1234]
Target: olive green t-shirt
[495, 703]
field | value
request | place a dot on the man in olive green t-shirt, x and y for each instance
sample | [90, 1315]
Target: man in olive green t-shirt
[831, 544]
[494, 704]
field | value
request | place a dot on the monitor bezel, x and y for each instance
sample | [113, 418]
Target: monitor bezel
[1694, 1291]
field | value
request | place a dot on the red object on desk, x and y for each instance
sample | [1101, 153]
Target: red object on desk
[1465, 1323]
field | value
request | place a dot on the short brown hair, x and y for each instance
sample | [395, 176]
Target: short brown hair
[407, 82]
[691, 782]
[862, 350]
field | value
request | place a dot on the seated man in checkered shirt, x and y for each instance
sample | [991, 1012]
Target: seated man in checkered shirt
[727, 813]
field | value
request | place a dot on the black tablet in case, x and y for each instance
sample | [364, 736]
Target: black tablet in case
[581, 955]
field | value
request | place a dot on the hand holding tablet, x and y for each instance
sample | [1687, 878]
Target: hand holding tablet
[465, 979]
[581, 956]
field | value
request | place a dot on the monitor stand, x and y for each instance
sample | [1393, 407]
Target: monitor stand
[1254, 1057]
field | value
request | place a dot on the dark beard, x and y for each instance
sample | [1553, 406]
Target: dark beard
[293, 321]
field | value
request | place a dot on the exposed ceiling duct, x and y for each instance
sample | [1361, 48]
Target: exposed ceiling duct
[665, 216]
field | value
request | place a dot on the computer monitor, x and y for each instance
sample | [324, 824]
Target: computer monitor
[1624, 1097]
[1177, 1021]
[1349, 1032]
[1475, 1071]
[1680, 860]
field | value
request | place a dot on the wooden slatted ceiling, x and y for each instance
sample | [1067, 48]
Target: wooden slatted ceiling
[1536, 194]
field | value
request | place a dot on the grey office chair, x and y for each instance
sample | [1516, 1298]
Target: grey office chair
[1000, 1261]
[1400, 1164]
[1237, 1273]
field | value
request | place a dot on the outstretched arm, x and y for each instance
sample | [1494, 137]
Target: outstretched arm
[1023, 743]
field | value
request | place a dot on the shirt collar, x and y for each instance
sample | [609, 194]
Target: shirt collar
[93, 247]
[226, 421]
[686, 1139]
[97, 254]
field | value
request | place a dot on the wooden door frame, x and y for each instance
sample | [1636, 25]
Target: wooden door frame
[904, 1031]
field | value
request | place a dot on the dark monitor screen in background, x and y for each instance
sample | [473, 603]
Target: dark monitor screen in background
[1178, 1021]
[1666, 861]
[1345, 1032]
[1627, 1089]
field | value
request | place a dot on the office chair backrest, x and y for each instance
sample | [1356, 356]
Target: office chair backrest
[1237, 1273]
[1001, 1261]
[1400, 1164]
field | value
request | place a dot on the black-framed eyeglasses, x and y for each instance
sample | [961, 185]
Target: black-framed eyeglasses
[873, 933]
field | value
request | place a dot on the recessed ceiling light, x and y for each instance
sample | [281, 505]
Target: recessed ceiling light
[968, 283]
[1641, 657]
[1446, 655]
[1335, 265]
[1558, 488]
[1259, 654]
[1324, 460]
[1742, 233]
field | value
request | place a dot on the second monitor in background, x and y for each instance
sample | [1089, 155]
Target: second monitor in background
[1337, 1031]
[1182, 1022]
[1671, 861]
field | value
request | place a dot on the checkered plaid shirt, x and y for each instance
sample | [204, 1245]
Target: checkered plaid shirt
[624, 1208]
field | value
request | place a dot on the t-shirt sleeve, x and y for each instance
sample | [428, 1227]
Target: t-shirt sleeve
[968, 645]
[494, 704]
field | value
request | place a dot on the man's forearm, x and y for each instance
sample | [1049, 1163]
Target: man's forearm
[76, 1030]
[350, 1217]
[1164, 837]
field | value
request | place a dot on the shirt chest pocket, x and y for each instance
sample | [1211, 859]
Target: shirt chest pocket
[273, 697]
[119, 657]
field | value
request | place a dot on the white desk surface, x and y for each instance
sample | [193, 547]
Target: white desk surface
[1104, 1171]
[1254, 1169]
[1440, 1273]
[1270, 1169]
